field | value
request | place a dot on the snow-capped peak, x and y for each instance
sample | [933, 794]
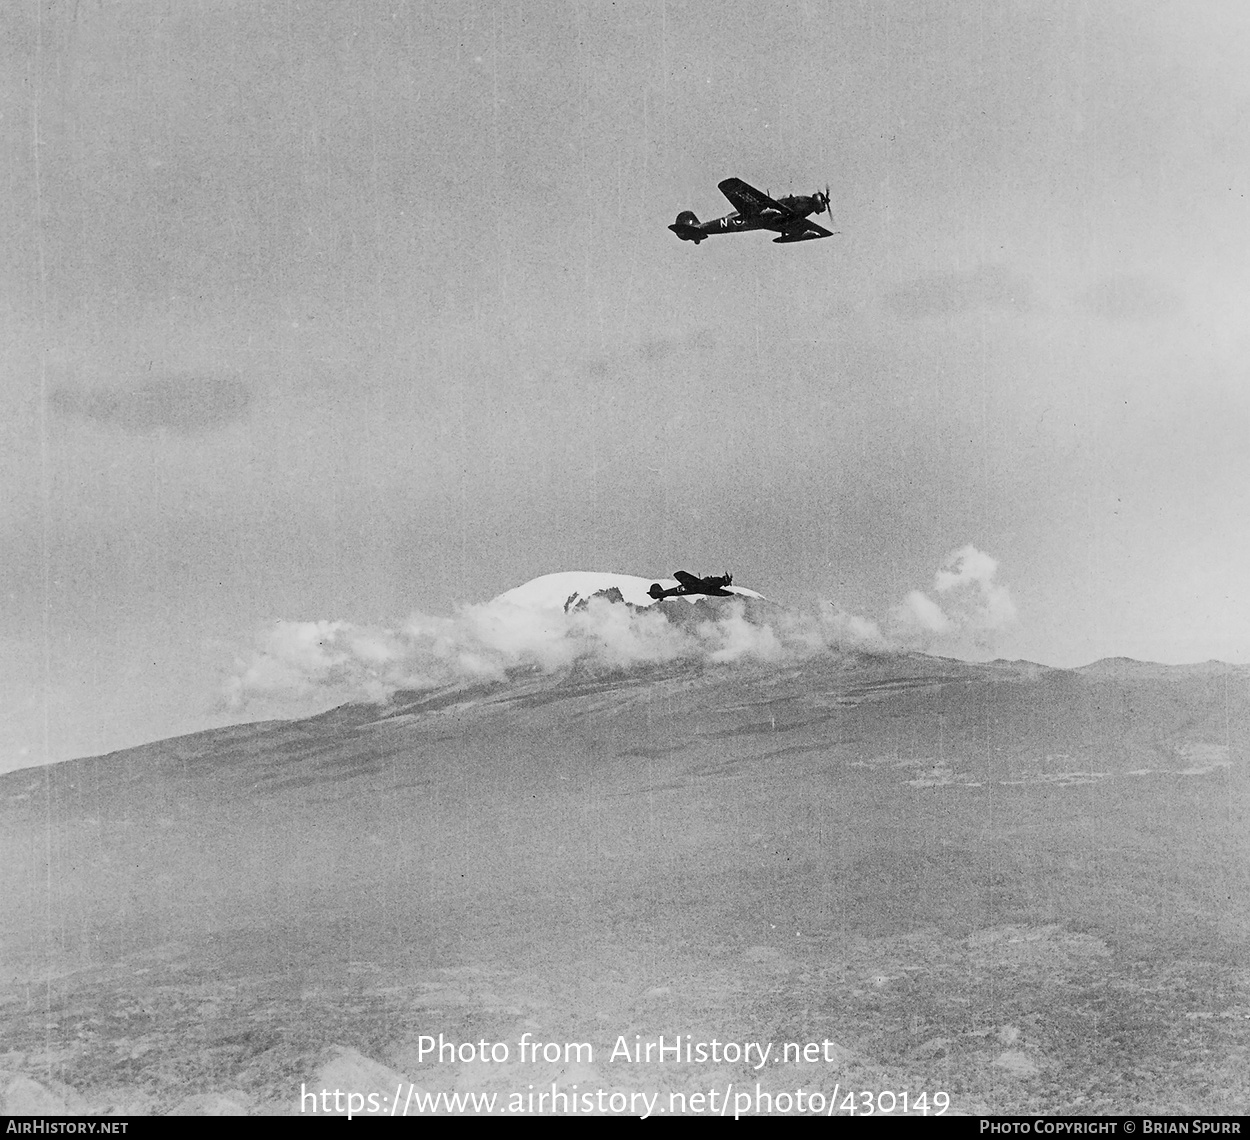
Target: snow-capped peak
[566, 589]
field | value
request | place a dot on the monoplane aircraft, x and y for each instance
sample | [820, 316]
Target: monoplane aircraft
[688, 583]
[756, 211]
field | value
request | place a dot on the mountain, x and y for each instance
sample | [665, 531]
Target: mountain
[1123, 667]
[1024, 889]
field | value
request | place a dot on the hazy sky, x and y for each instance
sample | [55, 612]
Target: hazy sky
[341, 311]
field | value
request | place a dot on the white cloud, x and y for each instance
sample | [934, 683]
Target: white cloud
[967, 576]
[975, 607]
[323, 662]
[297, 665]
[963, 567]
[921, 612]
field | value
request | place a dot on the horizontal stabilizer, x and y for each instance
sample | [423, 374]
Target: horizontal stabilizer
[687, 233]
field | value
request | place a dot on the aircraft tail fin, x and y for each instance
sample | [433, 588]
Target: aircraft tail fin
[687, 227]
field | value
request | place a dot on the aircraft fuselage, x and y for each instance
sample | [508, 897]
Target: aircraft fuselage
[738, 223]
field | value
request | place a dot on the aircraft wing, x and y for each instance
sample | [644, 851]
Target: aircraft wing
[687, 580]
[746, 199]
[803, 231]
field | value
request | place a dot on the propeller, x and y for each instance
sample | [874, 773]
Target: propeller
[828, 205]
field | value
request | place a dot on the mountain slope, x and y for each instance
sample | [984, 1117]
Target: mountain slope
[1025, 888]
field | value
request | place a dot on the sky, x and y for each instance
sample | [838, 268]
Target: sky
[341, 312]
